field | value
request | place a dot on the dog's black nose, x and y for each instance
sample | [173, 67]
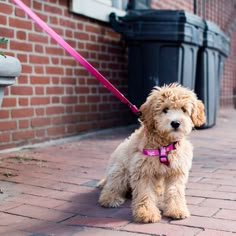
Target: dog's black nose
[175, 124]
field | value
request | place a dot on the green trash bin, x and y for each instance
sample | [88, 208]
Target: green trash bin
[211, 57]
[162, 48]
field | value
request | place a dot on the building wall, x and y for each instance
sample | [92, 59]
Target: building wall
[55, 96]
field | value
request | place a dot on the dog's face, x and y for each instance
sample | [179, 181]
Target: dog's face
[172, 111]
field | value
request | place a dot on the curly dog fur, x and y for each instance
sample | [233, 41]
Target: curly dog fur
[153, 183]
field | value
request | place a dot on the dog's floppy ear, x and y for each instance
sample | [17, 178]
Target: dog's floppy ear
[146, 115]
[147, 109]
[198, 113]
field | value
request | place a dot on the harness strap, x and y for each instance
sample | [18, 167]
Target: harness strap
[162, 152]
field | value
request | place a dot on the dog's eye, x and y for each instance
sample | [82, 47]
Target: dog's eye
[165, 110]
[183, 109]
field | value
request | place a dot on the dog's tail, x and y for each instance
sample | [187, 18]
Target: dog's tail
[101, 183]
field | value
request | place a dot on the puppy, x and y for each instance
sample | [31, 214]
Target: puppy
[154, 162]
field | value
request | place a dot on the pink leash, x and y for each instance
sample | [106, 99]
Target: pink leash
[76, 55]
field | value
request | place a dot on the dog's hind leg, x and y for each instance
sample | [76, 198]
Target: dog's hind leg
[115, 188]
[101, 183]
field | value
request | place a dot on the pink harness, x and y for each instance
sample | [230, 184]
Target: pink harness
[162, 152]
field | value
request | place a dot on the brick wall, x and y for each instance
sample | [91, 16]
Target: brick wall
[55, 97]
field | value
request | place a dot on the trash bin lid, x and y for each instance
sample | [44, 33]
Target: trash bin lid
[167, 25]
[215, 38]
[155, 15]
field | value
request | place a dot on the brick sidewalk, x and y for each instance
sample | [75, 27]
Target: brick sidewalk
[51, 190]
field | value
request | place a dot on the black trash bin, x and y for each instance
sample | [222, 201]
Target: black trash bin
[211, 56]
[162, 48]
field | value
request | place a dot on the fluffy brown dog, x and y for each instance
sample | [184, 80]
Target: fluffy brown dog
[154, 162]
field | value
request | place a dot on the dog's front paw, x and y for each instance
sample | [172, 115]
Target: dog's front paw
[143, 214]
[177, 213]
[111, 201]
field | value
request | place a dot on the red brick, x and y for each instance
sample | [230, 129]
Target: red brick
[4, 137]
[37, 59]
[69, 119]
[21, 35]
[203, 211]
[27, 69]
[6, 9]
[55, 99]
[7, 145]
[53, 9]
[220, 203]
[8, 125]
[218, 181]
[26, 47]
[39, 201]
[40, 111]
[20, 135]
[99, 222]
[82, 108]
[21, 90]
[23, 112]
[194, 200]
[23, 79]
[3, 20]
[92, 47]
[56, 131]
[10, 220]
[227, 189]
[93, 98]
[54, 51]
[37, 122]
[24, 124]
[55, 61]
[40, 213]
[23, 101]
[69, 81]
[37, 6]
[208, 223]
[226, 214]
[211, 194]
[38, 101]
[209, 232]
[54, 70]
[92, 29]
[55, 110]
[9, 205]
[82, 90]
[4, 114]
[38, 38]
[202, 186]
[39, 69]
[9, 102]
[69, 99]
[161, 229]
[41, 133]
[22, 57]
[39, 80]
[54, 20]
[55, 90]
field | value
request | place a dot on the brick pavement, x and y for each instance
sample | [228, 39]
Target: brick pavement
[50, 190]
